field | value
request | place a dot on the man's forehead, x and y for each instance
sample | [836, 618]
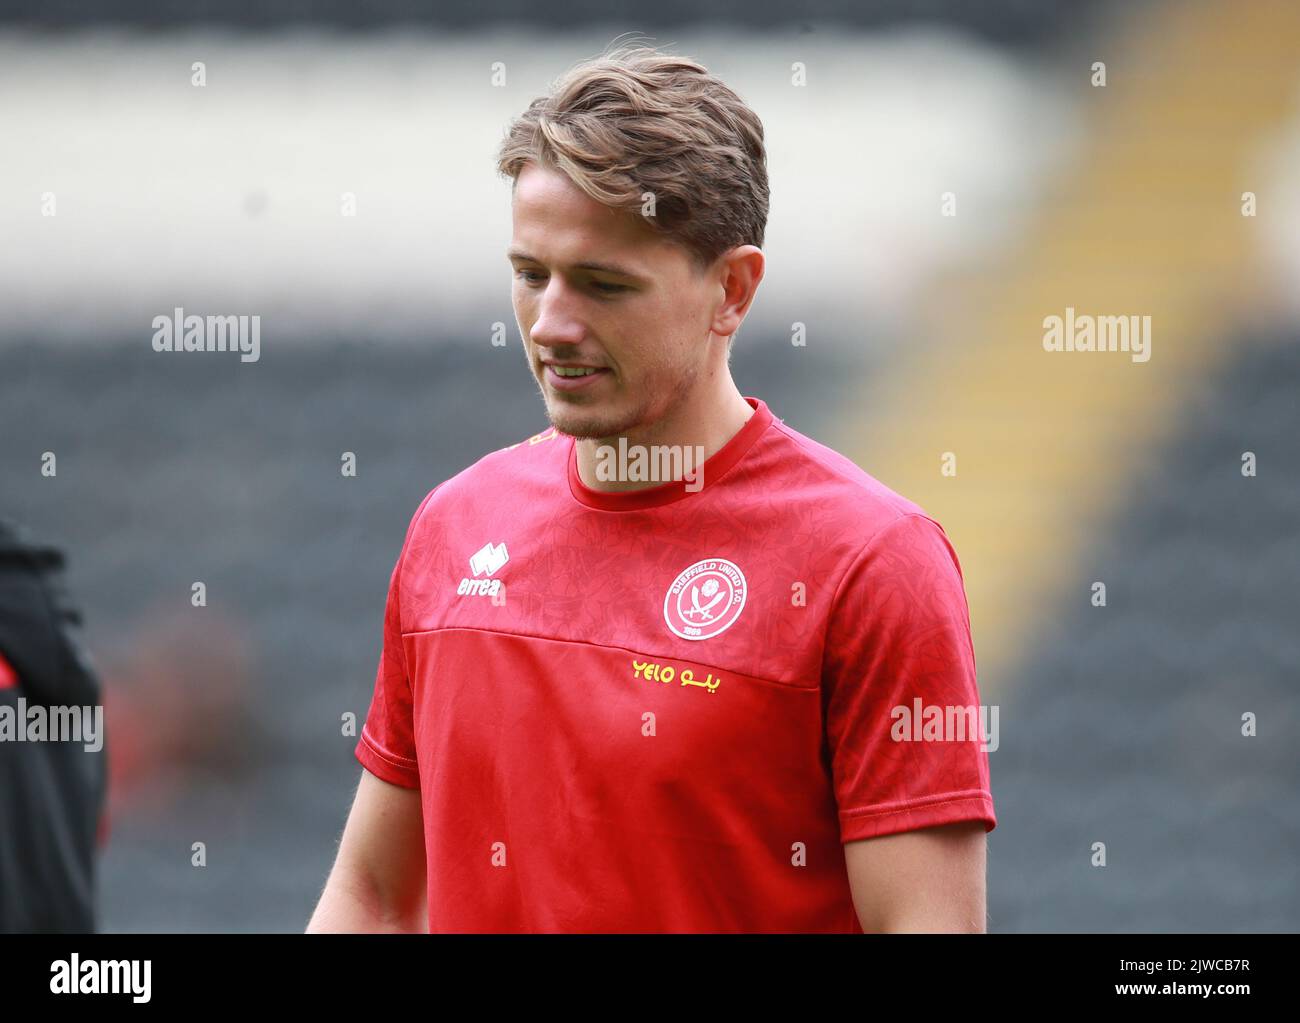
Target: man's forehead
[547, 194]
[551, 213]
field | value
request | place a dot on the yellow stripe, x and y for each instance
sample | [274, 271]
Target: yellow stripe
[1147, 222]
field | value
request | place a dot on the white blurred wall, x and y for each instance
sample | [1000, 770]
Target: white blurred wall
[226, 198]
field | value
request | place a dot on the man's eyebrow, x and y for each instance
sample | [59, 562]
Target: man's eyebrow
[608, 268]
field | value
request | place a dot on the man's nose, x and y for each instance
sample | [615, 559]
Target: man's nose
[558, 321]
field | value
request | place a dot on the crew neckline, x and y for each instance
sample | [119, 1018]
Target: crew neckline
[674, 490]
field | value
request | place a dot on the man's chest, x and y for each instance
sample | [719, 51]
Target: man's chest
[692, 608]
[693, 655]
[582, 731]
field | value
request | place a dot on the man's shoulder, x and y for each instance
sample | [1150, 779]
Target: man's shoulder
[500, 475]
[834, 488]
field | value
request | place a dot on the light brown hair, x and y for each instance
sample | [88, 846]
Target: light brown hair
[636, 120]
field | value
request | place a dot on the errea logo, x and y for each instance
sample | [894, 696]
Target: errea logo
[487, 560]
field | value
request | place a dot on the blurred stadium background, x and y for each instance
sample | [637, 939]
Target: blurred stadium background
[1119, 724]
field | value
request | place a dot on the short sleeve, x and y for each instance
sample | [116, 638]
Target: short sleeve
[387, 745]
[903, 720]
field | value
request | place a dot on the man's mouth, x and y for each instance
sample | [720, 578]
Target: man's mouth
[573, 378]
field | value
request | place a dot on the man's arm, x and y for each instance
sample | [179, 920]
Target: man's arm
[930, 880]
[378, 880]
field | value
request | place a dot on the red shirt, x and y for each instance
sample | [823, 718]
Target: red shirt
[677, 704]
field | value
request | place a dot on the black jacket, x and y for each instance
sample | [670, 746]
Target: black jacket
[52, 794]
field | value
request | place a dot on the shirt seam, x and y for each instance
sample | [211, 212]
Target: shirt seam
[925, 802]
[613, 646]
[394, 759]
[401, 556]
[853, 562]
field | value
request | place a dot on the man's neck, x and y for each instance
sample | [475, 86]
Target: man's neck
[697, 431]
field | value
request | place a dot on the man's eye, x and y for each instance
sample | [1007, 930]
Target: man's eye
[533, 277]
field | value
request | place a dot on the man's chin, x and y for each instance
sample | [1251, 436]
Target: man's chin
[586, 424]
[584, 428]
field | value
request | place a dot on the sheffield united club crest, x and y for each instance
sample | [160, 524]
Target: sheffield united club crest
[706, 599]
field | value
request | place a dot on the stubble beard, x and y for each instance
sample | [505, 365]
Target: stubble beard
[596, 423]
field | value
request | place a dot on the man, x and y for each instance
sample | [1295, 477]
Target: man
[613, 703]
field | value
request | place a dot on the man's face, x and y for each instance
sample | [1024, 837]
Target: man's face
[594, 287]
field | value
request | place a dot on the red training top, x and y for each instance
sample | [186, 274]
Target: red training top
[667, 709]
